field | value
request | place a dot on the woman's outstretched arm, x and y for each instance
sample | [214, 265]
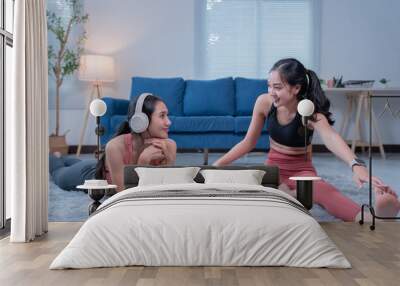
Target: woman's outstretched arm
[261, 109]
[335, 143]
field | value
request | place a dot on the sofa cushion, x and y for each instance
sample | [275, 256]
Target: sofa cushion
[116, 106]
[169, 89]
[202, 124]
[246, 91]
[216, 140]
[242, 124]
[209, 97]
[192, 124]
[116, 121]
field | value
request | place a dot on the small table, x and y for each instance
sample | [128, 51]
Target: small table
[304, 190]
[96, 193]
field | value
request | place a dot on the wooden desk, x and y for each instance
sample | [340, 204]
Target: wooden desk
[358, 97]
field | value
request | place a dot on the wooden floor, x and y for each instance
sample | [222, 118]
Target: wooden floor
[374, 255]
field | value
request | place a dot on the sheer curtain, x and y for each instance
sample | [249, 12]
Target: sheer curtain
[246, 37]
[27, 131]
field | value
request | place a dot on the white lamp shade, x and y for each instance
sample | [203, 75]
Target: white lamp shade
[305, 107]
[96, 68]
[98, 107]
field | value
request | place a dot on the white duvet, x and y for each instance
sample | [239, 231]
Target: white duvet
[182, 231]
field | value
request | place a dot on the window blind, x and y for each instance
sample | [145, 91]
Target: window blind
[246, 37]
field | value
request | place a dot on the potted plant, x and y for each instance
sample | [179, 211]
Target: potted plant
[64, 58]
[384, 82]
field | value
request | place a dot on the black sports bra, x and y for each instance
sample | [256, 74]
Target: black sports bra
[291, 134]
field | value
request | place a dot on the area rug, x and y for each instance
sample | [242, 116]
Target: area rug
[73, 205]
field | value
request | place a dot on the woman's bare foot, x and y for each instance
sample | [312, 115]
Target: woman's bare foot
[385, 189]
[386, 202]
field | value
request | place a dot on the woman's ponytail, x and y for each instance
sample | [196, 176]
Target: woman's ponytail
[317, 95]
[124, 128]
[99, 174]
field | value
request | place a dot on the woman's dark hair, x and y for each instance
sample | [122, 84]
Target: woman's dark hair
[149, 106]
[293, 72]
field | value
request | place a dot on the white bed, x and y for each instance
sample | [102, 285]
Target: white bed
[223, 225]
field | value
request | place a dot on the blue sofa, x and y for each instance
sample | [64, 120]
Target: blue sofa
[205, 114]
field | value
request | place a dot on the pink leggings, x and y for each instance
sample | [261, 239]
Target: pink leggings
[324, 194]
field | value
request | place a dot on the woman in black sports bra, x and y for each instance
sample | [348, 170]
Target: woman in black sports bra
[289, 82]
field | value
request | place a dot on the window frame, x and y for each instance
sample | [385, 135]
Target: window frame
[6, 39]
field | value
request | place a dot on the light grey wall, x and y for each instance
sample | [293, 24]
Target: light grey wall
[145, 37]
[360, 39]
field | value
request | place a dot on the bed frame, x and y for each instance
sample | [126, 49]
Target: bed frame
[270, 179]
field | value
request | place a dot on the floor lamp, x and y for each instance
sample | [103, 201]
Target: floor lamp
[304, 184]
[98, 70]
[98, 108]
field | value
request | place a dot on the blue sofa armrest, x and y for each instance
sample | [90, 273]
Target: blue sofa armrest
[115, 106]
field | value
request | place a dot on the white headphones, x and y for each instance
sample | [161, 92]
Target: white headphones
[139, 120]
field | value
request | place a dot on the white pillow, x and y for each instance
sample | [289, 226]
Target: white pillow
[249, 177]
[165, 176]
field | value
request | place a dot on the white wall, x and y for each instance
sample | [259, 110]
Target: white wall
[360, 39]
[145, 37]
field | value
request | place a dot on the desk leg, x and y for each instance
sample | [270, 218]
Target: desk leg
[360, 125]
[375, 127]
[347, 114]
[357, 125]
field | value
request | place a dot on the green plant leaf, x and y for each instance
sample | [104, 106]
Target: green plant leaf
[65, 55]
[384, 81]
